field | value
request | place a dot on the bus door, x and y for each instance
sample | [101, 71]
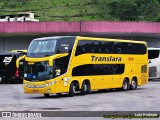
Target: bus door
[59, 70]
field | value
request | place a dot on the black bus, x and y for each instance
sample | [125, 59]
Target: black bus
[8, 71]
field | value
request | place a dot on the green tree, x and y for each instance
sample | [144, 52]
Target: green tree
[124, 10]
[148, 10]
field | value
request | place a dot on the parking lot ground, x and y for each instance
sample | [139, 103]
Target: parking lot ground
[145, 98]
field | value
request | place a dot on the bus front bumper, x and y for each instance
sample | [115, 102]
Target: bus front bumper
[39, 88]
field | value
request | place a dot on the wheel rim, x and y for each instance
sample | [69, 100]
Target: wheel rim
[125, 85]
[74, 89]
[133, 84]
[85, 88]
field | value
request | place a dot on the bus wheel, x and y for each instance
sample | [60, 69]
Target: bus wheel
[46, 95]
[72, 89]
[125, 85]
[84, 88]
[133, 84]
[59, 94]
[88, 88]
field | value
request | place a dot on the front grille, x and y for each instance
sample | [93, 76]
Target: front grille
[153, 71]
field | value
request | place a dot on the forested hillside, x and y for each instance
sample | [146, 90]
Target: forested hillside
[85, 10]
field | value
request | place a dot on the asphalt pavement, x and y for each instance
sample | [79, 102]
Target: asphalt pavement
[145, 98]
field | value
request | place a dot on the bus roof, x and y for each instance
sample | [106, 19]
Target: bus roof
[8, 53]
[11, 53]
[91, 38]
[110, 39]
[55, 37]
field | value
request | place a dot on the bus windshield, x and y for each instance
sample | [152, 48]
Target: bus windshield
[38, 71]
[152, 54]
[42, 48]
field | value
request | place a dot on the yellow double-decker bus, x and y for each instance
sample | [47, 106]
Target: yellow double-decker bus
[67, 64]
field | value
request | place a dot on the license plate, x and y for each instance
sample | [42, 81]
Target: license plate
[35, 91]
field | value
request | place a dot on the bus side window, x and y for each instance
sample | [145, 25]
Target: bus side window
[87, 48]
[79, 47]
[118, 50]
[83, 50]
[105, 50]
[99, 47]
[92, 47]
[82, 47]
[140, 48]
[107, 47]
[96, 47]
[65, 46]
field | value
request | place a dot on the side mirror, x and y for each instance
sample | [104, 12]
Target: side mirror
[19, 59]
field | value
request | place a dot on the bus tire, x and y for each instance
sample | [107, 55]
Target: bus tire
[84, 88]
[125, 85]
[133, 84]
[72, 89]
[88, 88]
[46, 95]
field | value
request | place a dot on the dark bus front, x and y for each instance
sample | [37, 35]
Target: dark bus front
[8, 71]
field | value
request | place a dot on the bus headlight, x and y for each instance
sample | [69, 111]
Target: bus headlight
[48, 84]
[25, 85]
[52, 83]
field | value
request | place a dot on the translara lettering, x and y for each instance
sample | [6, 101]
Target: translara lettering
[107, 59]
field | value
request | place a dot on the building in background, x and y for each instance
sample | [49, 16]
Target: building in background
[19, 17]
